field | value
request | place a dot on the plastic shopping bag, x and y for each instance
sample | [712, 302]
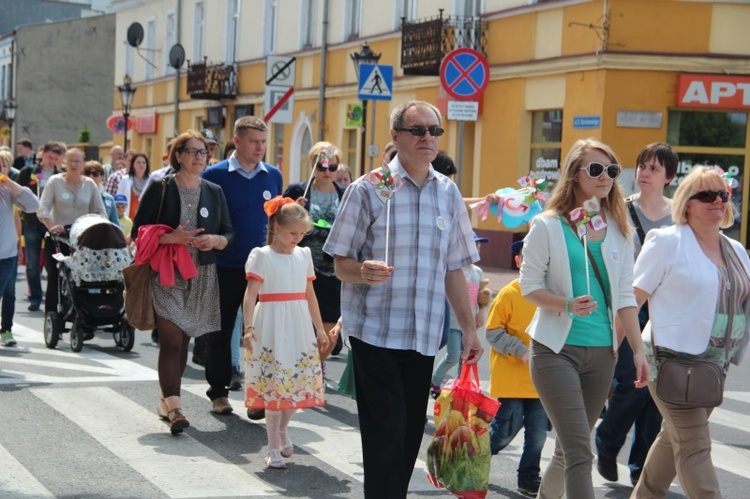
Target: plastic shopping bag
[458, 458]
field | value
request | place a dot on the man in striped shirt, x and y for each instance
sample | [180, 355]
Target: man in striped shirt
[393, 311]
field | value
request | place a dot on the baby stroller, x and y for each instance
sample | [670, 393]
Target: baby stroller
[90, 285]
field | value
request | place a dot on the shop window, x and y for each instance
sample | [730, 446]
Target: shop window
[713, 138]
[546, 145]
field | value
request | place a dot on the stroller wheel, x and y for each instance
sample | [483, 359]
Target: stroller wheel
[76, 338]
[127, 336]
[52, 329]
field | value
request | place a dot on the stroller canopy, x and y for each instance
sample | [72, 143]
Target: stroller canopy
[99, 250]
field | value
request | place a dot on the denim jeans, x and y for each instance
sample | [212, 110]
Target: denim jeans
[8, 271]
[452, 357]
[33, 236]
[512, 415]
[628, 406]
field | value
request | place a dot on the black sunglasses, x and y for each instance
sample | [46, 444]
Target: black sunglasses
[710, 196]
[419, 131]
[595, 170]
[92, 174]
[331, 168]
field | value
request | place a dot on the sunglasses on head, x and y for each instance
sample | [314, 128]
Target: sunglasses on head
[331, 167]
[419, 131]
[595, 170]
[710, 196]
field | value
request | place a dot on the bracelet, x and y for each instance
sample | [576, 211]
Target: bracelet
[567, 308]
[248, 327]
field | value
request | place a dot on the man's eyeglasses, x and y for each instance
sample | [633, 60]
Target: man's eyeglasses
[195, 152]
[595, 170]
[710, 196]
[419, 131]
[92, 174]
[331, 168]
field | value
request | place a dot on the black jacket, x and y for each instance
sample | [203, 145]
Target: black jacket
[211, 200]
[24, 180]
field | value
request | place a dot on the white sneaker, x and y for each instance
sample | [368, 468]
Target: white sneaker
[7, 340]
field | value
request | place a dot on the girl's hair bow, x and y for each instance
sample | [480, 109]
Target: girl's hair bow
[275, 204]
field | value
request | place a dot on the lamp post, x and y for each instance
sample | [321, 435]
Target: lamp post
[126, 97]
[364, 56]
[10, 116]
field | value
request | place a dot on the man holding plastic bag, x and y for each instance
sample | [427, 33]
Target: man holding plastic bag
[394, 289]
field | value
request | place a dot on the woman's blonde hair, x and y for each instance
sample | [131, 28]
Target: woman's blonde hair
[702, 178]
[563, 198]
[316, 149]
[288, 213]
[6, 159]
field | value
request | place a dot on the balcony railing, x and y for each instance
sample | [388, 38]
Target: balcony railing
[425, 42]
[215, 82]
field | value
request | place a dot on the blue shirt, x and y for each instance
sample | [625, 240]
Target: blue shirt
[245, 198]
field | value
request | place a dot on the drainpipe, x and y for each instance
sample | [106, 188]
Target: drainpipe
[322, 85]
[178, 22]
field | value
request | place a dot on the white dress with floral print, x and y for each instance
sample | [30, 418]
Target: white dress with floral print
[283, 370]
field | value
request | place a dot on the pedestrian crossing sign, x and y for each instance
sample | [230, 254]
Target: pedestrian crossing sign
[375, 82]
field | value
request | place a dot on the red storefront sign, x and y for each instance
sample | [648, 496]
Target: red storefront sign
[145, 123]
[713, 91]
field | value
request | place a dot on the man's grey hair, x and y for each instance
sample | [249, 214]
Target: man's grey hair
[397, 116]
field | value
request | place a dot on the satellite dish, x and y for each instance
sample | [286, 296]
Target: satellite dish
[176, 56]
[135, 34]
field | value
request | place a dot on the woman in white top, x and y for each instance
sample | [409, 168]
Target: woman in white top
[66, 197]
[133, 184]
[697, 282]
[574, 343]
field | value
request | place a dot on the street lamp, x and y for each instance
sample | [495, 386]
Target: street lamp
[9, 112]
[364, 56]
[126, 97]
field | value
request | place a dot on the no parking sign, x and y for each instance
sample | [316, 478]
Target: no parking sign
[464, 74]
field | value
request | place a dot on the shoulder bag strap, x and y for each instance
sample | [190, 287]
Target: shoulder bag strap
[161, 201]
[636, 221]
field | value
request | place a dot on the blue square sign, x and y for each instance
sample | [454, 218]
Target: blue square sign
[375, 82]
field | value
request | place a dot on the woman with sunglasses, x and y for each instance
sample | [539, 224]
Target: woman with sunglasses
[697, 283]
[322, 202]
[95, 171]
[574, 342]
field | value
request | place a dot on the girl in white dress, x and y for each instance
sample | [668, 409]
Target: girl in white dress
[283, 370]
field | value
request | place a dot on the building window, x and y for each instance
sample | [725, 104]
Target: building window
[199, 26]
[233, 20]
[467, 8]
[278, 144]
[150, 48]
[713, 138]
[403, 9]
[271, 10]
[352, 18]
[546, 145]
[169, 39]
[304, 159]
[307, 19]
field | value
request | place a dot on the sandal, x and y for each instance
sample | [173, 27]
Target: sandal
[274, 461]
[287, 448]
[177, 421]
[162, 411]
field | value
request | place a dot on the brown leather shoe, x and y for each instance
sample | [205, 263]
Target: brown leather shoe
[221, 406]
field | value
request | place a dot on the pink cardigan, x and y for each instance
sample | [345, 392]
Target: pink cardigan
[165, 257]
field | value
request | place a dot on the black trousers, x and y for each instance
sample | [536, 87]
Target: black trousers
[392, 394]
[53, 273]
[232, 286]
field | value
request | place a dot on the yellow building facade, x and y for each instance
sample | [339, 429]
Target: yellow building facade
[627, 72]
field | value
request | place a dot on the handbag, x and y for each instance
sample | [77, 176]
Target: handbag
[139, 307]
[693, 383]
